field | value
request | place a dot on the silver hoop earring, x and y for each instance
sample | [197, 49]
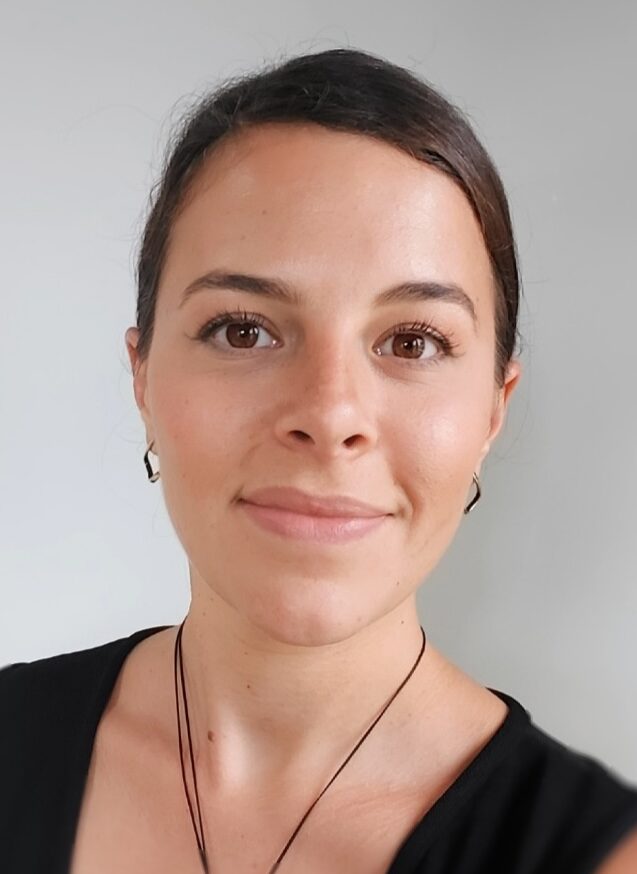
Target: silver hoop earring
[475, 498]
[152, 476]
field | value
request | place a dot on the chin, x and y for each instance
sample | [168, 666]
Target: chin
[317, 622]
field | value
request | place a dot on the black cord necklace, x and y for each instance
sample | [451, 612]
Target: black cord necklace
[201, 841]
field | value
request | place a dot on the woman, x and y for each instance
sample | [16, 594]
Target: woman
[323, 358]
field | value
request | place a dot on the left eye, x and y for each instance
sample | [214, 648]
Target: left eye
[411, 340]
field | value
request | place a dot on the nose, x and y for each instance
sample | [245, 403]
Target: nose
[331, 406]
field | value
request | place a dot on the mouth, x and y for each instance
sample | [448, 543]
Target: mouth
[298, 501]
[326, 529]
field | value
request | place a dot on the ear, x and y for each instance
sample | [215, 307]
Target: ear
[502, 398]
[139, 369]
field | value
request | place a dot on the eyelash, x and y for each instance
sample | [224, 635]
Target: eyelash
[227, 317]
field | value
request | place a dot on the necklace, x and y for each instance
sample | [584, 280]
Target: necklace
[201, 842]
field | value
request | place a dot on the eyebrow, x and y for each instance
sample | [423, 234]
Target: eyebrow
[277, 289]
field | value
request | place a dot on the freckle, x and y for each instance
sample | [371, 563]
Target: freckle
[210, 736]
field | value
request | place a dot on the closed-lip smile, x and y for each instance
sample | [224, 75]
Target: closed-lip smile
[298, 501]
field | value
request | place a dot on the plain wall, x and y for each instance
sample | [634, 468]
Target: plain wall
[537, 595]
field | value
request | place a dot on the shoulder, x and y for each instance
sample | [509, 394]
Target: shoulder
[53, 691]
[579, 810]
[50, 709]
[33, 691]
[65, 664]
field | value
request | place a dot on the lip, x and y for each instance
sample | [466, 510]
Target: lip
[292, 499]
[305, 527]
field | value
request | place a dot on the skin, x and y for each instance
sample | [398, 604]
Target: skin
[623, 859]
[282, 636]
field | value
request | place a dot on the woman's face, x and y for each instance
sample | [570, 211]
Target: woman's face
[333, 393]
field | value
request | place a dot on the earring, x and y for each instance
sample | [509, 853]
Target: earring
[476, 497]
[153, 477]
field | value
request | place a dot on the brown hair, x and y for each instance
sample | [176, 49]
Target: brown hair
[347, 90]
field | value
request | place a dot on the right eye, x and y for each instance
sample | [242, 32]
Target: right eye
[245, 328]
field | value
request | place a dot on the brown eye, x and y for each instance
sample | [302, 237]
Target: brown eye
[411, 347]
[408, 342]
[242, 330]
[242, 335]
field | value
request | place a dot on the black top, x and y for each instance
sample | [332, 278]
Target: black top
[526, 804]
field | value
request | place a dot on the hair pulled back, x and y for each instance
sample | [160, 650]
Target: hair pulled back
[346, 90]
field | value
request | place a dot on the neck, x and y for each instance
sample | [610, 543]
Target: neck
[263, 709]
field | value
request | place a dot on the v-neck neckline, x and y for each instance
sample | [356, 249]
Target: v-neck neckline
[443, 811]
[431, 825]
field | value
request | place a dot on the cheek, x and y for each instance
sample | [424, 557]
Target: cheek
[434, 462]
[437, 449]
[197, 420]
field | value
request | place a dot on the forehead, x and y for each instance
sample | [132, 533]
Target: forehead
[318, 207]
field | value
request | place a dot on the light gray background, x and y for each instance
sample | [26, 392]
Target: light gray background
[537, 594]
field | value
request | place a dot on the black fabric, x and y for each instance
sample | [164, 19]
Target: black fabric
[526, 804]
